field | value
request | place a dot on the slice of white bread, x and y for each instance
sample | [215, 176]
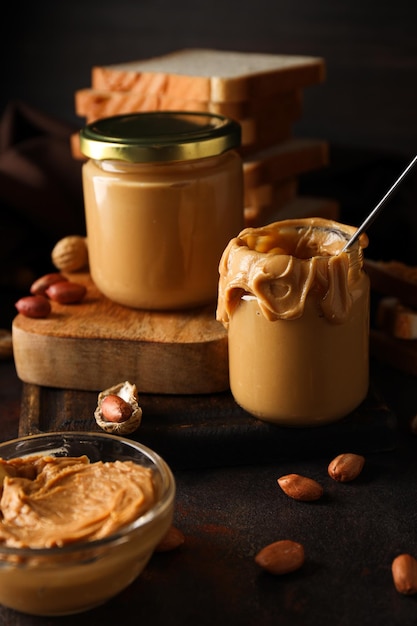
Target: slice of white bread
[309, 206]
[393, 335]
[265, 199]
[75, 150]
[394, 279]
[396, 319]
[282, 160]
[211, 75]
[263, 132]
[397, 353]
[300, 206]
[94, 104]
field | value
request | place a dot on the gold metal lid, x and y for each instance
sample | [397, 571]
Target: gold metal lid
[159, 136]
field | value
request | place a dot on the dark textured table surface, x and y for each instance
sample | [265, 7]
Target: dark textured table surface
[228, 513]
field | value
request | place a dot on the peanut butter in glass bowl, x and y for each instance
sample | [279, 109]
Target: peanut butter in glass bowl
[297, 312]
[81, 516]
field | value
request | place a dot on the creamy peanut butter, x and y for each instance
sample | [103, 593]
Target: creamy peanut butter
[297, 312]
[75, 532]
[51, 501]
[156, 232]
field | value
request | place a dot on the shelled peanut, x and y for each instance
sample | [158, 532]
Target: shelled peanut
[281, 557]
[50, 287]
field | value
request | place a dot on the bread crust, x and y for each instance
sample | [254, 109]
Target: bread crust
[94, 104]
[395, 279]
[211, 75]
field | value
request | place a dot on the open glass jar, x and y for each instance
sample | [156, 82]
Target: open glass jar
[297, 312]
[163, 194]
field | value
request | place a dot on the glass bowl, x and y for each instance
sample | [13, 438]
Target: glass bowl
[79, 576]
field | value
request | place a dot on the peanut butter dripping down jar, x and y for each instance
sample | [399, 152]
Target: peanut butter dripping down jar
[297, 313]
[163, 194]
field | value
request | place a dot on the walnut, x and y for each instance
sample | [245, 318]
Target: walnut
[118, 410]
[70, 254]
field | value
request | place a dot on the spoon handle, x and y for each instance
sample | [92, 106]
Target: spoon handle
[379, 206]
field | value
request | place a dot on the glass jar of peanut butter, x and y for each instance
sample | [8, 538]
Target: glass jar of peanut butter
[163, 194]
[297, 311]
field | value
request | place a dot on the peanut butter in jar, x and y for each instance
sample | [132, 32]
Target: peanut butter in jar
[297, 312]
[163, 194]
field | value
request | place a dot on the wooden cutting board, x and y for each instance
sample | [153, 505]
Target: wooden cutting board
[98, 343]
[195, 431]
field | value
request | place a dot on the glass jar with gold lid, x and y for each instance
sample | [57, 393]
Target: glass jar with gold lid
[163, 194]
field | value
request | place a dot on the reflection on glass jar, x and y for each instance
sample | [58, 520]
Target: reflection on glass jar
[161, 201]
[297, 312]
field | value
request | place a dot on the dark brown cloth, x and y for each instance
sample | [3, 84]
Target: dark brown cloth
[40, 191]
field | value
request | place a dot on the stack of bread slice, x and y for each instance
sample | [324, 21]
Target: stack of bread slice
[394, 327]
[263, 92]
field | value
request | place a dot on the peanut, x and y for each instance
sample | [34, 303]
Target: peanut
[346, 467]
[115, 409]
[404, 574]
[66, 292]
[173, 539]
[70, 254]
[40, 285]
[34, 306]
[281, 557]
[300, 487]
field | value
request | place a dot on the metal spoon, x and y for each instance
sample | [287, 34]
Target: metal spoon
[378, 207]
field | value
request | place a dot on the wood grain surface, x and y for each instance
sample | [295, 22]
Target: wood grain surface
[98, 343]
[211, 430]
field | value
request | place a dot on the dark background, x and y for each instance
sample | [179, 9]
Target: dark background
[365, 109]
[369, 98]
